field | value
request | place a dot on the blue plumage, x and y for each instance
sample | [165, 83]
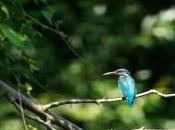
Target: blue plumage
[126, 84]
[127, 87]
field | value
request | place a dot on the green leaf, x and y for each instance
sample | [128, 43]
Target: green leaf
[48, 15]
[13, 37]
[4, 9]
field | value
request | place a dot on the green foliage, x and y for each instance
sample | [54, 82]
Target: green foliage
[48, 15]
[137, 35]
[13, 37]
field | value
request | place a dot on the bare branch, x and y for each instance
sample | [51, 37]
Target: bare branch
[37, 119]
[61, 34]
[154, 91]
[38, 109]
[47, 118]
[99, 101]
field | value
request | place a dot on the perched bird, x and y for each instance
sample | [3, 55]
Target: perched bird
[126, 84]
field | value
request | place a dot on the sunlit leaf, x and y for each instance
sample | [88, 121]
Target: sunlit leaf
[13, 37]
[28, 88]
[4, 9]
[48, 15]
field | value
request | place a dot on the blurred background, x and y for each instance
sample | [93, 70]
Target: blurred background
[102, 35]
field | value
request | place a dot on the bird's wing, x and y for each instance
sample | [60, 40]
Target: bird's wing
[127, 86]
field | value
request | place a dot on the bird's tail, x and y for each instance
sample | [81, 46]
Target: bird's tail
[130, 100]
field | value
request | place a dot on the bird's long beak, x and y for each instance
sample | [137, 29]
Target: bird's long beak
[110, 73]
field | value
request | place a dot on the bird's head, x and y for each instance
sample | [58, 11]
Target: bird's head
[119, 72]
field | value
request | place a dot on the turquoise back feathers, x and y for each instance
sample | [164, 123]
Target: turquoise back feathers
[127, 87]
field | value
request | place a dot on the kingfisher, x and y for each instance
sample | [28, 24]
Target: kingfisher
[126, 84]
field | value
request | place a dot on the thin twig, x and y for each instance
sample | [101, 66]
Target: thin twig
[60, 33]
[37, 119]
[99, 101]
[20, 102]
[22, 113]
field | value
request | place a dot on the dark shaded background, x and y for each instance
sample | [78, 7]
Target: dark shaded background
[102, 35]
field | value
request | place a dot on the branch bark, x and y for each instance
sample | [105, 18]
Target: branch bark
[13, 96]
